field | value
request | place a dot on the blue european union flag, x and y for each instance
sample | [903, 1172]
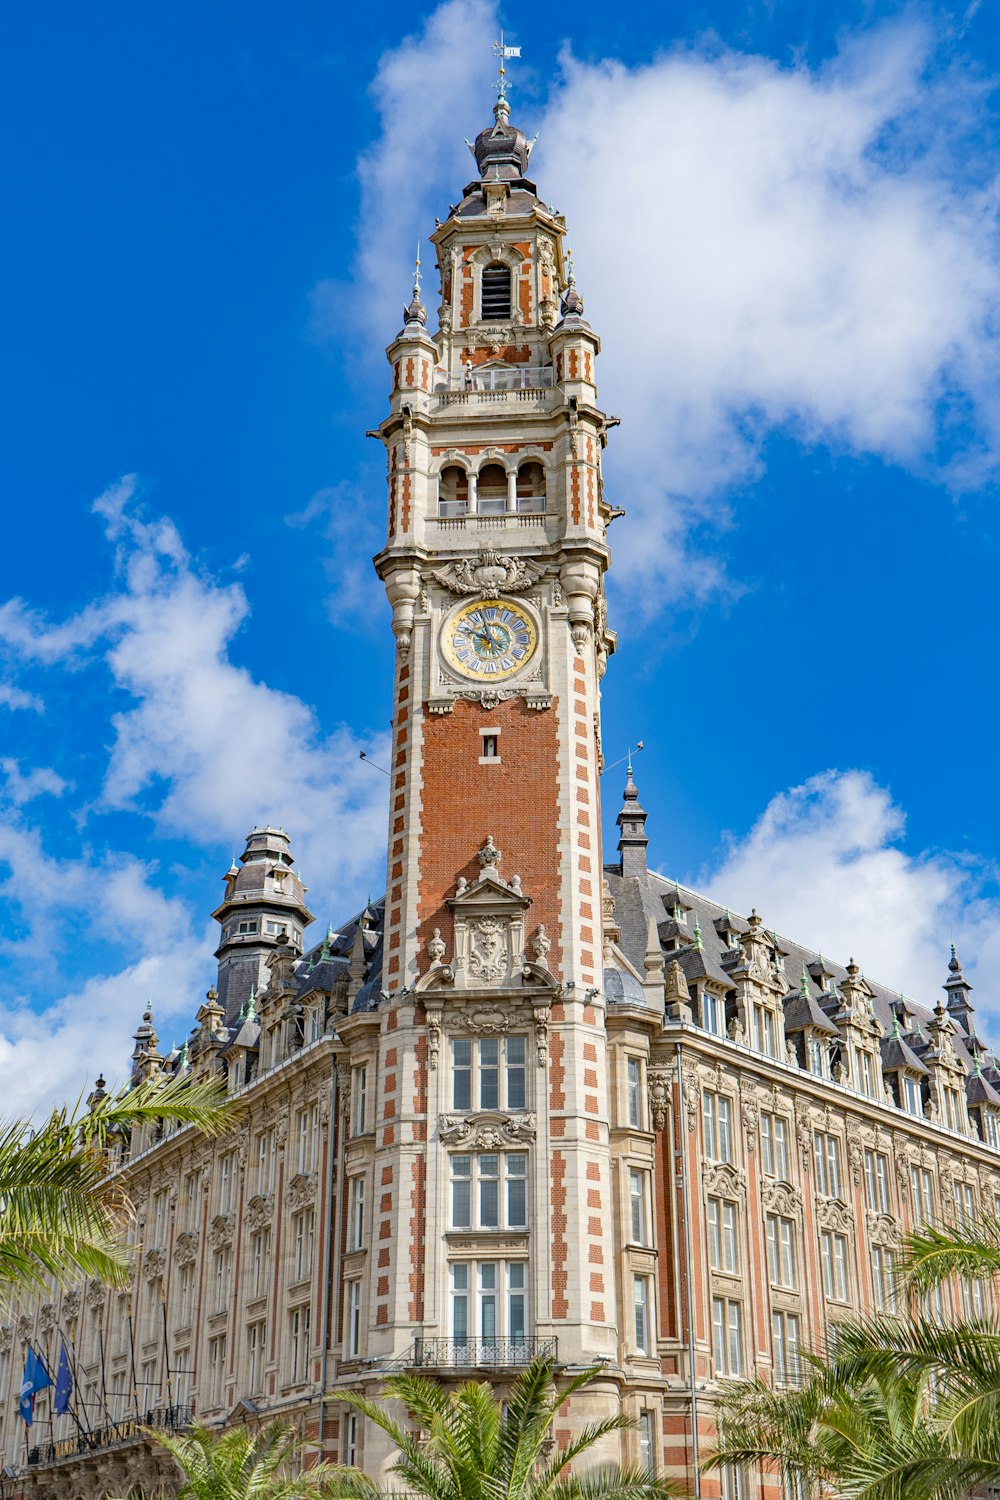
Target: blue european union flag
[35, 1378]
[64, 1383]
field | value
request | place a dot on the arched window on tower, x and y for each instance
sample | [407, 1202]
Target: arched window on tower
[453, 491]
[491, 490]
[531, 488]
[496, 298]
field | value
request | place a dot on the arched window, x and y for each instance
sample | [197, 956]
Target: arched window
[453, 491]
[491, 490]
[496, 291]
[531, 488]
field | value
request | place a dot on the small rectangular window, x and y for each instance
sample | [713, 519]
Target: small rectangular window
[491, 745]
[640, 1292]
[727, 1337]
[634, 1084]
[496, 291]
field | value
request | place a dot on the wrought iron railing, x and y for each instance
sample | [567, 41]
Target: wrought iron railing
[493, 378]
[168, 1418]
[481, 1353]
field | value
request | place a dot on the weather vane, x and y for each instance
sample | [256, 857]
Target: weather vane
[502, 53]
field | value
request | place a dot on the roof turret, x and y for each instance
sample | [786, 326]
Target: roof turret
[631, 821]
[958, 990]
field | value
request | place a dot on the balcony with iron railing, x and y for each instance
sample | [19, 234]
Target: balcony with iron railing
[481, 1354]
[111, 1435]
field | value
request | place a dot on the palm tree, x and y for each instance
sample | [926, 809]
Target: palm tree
[63, 1215]
[244, 1464]
[473, 1444]
[904, 1406]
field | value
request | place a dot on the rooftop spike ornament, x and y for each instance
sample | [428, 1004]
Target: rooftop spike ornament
[502, 52]
[416, 312]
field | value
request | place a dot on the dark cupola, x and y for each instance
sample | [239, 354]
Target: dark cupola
[632, 841]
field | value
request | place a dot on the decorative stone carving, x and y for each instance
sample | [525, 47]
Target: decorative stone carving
[855, 1155]
[436, 948]
[489, 574]
[96, 1296]
[658, 1086]
[186, 1248]
[46, 1317]
[489, 856]
[154, 1263]
[24, 1328]
[883, 1230]
[751, 1120]
[489, 958]
[542, 1016]
[301, 1190]
[723, 1180]
[782, 1197]
[6, 1338]
[486, 1132]
[71, 1305]
[540, 943]
[692, 1098]
[433, 1038]
[832, 1213]
[259, 1211]
[804, 1135]
[490, 1020]
[736, 1032]
[220, 1231]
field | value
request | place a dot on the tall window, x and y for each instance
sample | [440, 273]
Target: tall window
[222, 1272]
[299, 1320]
[489, 1300]
[353, 1319]
[260, 1262]
[818, 1053]
[785, 1337]
[216, 1369]
[185, 1293]
[870, 1076]
[307, 1137]
[713, 1013]
[356, 1233]
[303, 1231]
[267, 1158]
[833, 1257]
[774, 1146]
[883, 1278]
[489, 1191]
[227, 1182]
[647, 1442]
[877, 1181]
[496, 291]
[192, 1197]
[765, 1031]
[360, 1099]
[722, 1245]
[922, 1194]
[951, 1109]
[965, 1202]
[826, 1155]
[256, 1341]
[349, 1448]
[973, 1301]
[489, 1072]
[160, 1216]
[780, 1235]
[633, 1084]
[640, 1303]
[912, 1100]
[727, 1337]
[715, 1111]
[638, 1199]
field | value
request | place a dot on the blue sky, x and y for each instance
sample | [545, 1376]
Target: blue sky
[785, 230]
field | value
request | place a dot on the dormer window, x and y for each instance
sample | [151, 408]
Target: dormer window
[246, 926]
[912, 1102]
[819, 1057]
[713, 1013]
[496, 300]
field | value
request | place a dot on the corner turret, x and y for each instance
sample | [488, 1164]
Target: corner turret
[264, 900]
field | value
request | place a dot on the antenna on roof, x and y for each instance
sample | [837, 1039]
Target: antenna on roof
[623, 758]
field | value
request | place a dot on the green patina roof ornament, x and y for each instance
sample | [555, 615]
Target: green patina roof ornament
[182, 1060]
[250, 1008]
[896, 1029]
[804, 984]
[697, 934]
[324, 952]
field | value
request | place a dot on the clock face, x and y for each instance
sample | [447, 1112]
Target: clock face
[489, 639]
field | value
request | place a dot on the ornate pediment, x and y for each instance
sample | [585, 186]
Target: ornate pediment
[259, 1211]
[489, 574]
[302, 1190]
[490, 939]
[833, 1213]
[782, 1197]
[220, 1231]
[883, 1230]
[186, 1248]
[486, 1131]
[723, 1180]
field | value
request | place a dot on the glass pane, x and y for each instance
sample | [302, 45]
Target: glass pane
[489, 1204]
[516, 1327]
[517, 1203]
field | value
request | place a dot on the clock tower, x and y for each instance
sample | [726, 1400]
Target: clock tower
[491, 1137]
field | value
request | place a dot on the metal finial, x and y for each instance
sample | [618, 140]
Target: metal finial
[502, 52]
[416, 273]
[570, 278]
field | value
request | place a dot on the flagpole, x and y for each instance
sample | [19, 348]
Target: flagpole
[131, 1345]
[52, 1383]
[104, 1382]
[78, 1384]
[166, 1351]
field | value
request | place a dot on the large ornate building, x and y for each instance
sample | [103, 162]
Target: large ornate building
[533, 1101]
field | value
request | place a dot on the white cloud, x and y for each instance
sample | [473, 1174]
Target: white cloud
[19, 787]
[825, 866]
[51, 1057]
[15, 697]
[351, 534]
[203, 747]
[766, 247]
